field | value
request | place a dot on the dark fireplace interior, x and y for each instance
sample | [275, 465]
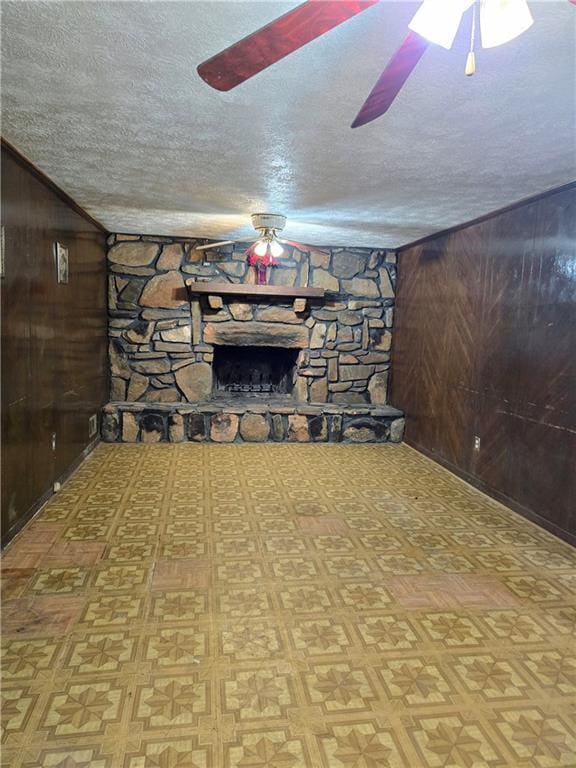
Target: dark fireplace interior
[250, 371]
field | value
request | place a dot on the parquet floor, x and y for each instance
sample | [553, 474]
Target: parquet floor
[285, 606]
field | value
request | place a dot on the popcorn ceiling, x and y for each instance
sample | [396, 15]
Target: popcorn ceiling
[104, 98]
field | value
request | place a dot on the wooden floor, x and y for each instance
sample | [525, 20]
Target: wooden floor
[287, 606]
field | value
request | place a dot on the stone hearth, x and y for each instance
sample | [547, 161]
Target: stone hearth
[164, 336]
[245, 421]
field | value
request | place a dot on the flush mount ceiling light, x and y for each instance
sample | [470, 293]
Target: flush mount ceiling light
[436, 21]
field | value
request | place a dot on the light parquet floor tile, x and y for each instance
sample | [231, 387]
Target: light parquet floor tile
[284, 606]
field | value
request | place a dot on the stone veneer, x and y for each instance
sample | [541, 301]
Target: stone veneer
[251, 423]
[162, 339]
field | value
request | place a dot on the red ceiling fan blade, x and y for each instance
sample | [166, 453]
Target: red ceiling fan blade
[392, 79]
[281, 37]
[303, 247]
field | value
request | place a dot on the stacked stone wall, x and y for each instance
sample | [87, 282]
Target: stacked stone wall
[162, 342]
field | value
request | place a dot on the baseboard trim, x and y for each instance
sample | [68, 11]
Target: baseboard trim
[39, 504]
[493, 493]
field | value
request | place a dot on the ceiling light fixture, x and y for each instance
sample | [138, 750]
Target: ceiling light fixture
[268, 226]
[276, 249]
[500, 20]
[435, 20]
[268, 242]
[438, 20]
[503, 20]
[260, 247]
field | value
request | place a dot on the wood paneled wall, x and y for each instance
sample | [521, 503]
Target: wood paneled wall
[54, 368]
[485, 345]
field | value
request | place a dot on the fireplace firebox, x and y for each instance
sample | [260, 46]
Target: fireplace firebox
[252, 371]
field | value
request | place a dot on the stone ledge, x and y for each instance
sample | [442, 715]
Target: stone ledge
[241, 421]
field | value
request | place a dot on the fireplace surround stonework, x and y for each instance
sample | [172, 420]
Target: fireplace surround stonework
[163, 339]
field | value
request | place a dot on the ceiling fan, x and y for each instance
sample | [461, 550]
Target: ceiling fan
[436, 21]
[267, 246]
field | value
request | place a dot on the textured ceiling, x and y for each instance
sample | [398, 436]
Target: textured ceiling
[104, 98]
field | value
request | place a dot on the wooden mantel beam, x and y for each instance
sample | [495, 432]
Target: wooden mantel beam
[244, 289]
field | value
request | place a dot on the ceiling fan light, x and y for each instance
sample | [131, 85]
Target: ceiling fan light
[261, 247]
[276, 249]
[438, 20]
[503, 20]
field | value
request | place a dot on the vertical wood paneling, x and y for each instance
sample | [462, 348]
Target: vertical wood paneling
[53, 339]
[485, 344]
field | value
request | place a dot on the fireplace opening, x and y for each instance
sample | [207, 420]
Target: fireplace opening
[252, 371]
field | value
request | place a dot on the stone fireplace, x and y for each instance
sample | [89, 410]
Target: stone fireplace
[198, 352]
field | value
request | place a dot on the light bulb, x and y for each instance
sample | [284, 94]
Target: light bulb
[276, 249]
[503, 20]
[261, 248]
[438, 20]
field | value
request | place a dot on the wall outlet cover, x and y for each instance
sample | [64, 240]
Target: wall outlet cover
[61, 256]
[2, 251]
[92, 425]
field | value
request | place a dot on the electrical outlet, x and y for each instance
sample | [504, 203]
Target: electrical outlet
[476, 443]
[92, 425]
[53, 441]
